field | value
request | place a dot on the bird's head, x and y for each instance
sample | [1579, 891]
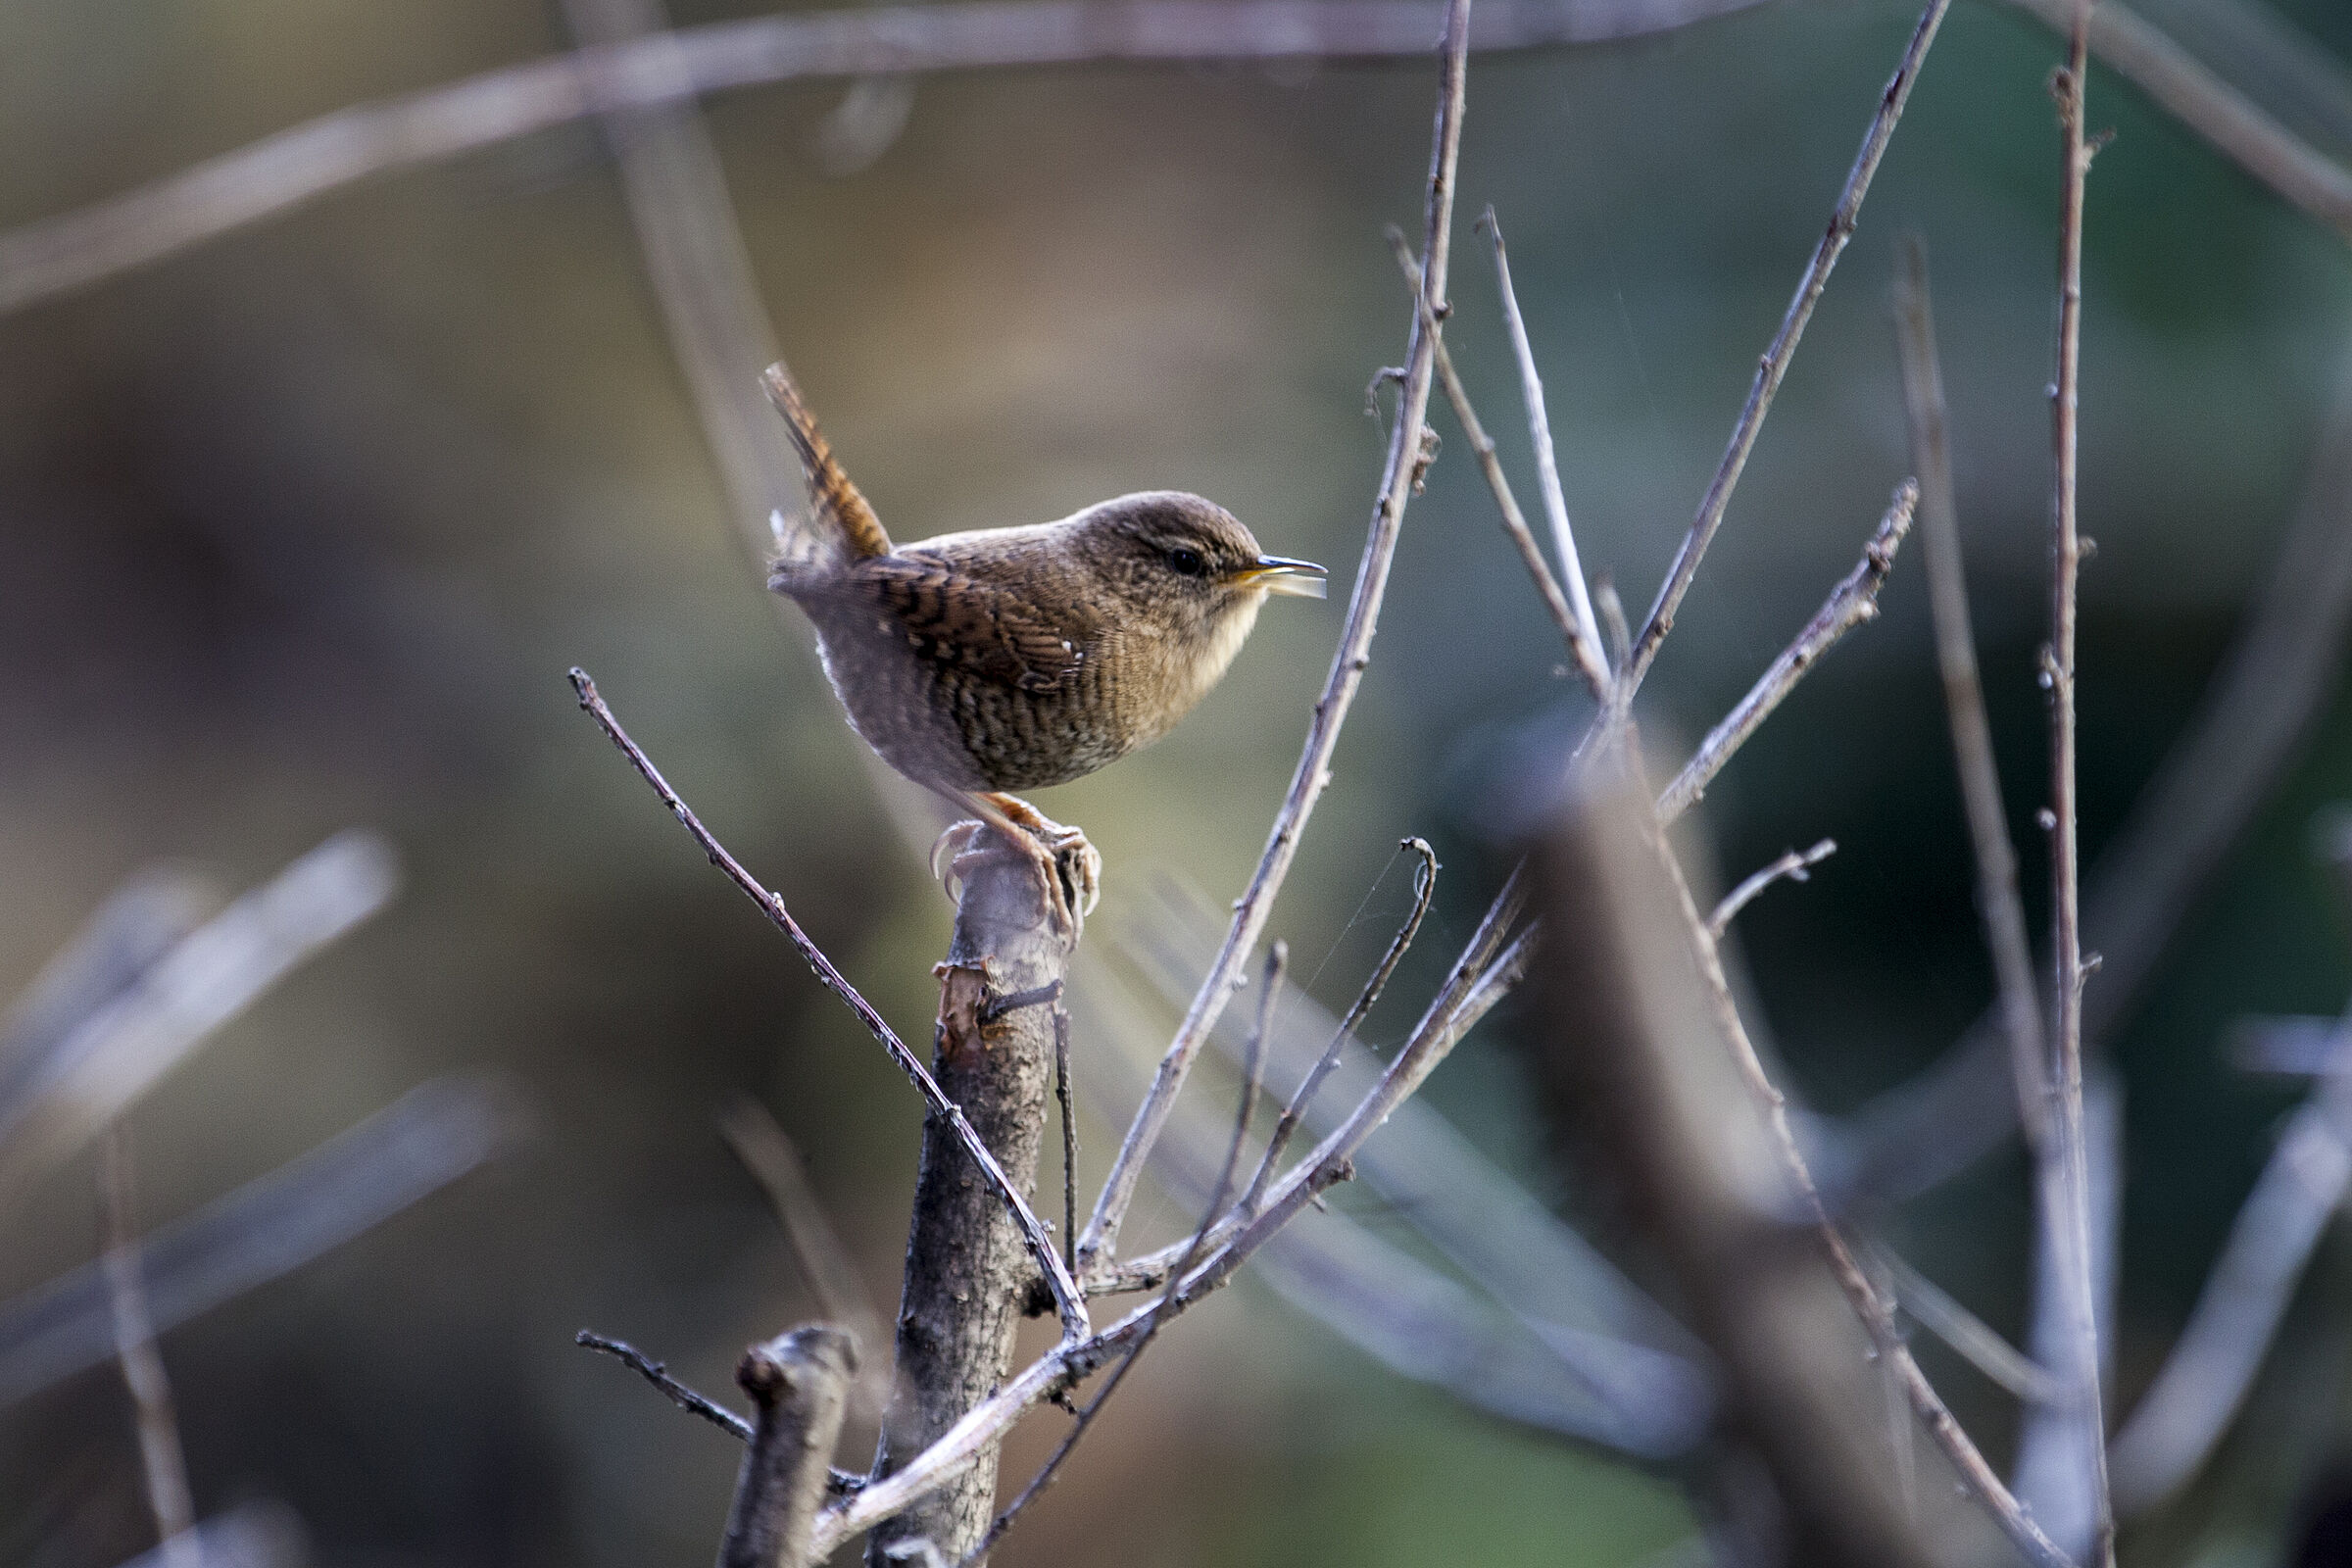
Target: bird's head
[1186, 568]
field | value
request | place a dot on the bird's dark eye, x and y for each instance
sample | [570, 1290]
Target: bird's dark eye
[1187, 563]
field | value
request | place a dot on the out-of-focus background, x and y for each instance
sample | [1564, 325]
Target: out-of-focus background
[300, 528]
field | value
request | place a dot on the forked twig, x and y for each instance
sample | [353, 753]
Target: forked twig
[1794, 866]
[1403, 470]
[1775, 364]
[1066, 1296]
[1425, 887]
[1852, 602]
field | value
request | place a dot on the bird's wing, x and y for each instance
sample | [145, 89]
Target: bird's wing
[843, 525]
[958, 618]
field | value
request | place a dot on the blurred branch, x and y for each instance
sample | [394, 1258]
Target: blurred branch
[825, 1264]
[1775, 364]
[1852, 602]
[1405, 463]
[2197, 1392]
[699, 267]
[1584, 651]
[161, 1459]
[799, 1383]
[279, 173]
[1065, 1290]
[1792, 865]
[2068, 1227]
[139, 924]
[2055, 1470]
[1997, 904]
[252, 1535]
[93, 1072]
[1967, 1335]
[429, 1137]
[1644, 1067]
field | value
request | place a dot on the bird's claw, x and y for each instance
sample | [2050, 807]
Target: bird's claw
[1069, 867]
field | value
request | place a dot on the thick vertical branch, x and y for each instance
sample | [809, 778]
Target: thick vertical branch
[2073, 1231]
[799, 1383]
[970, 1277]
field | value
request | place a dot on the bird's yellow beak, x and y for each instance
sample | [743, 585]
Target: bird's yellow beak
[1280, 574]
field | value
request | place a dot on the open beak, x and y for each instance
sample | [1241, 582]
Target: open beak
[1280, 574]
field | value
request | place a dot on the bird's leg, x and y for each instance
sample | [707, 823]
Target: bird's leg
[1067, 864]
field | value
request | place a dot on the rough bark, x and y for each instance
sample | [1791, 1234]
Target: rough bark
[799, 1384]
[969, 1280]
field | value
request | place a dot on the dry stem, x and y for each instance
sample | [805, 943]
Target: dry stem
[1794, 866]
[161, 1459]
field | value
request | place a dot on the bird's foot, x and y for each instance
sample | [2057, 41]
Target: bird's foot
[1069, 867]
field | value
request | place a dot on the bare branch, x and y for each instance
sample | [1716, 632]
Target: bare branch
[273, 1225]
[1425, 887]
[1583, 651]
[1792, 865]
[1998, 901]
[697, 262]
[296, 166]
[1065, 1290]
[679, 1394]
[98, 1069]
[2197, 1392]
[800, 1384]
[161, 1458]
[1852, 602]
[2070, 1232]
[774, 1162]
[1539, 429]
[1775, 364]
[1348, 666]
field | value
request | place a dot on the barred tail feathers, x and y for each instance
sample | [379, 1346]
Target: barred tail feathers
[844, 523]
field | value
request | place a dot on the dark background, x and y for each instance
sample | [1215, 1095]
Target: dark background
[300, 530]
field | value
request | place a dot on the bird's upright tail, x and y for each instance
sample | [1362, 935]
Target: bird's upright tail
[842, 525]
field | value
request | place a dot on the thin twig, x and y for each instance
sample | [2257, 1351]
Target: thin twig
[1067, 1298]
[1775, 364]
[1792, 865]
[2074, 1232]
[1584, 649]
[1852, 602]
[1612, 617]
[1425, 887]
[162, 1459]
[1403, 468]
[1998, 903]
[679, 1394]
[1539, 429]
[1878, 1318]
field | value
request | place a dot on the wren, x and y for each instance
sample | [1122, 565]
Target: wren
[1010, 659]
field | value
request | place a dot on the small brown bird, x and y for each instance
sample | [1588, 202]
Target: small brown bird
[1011, 659]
